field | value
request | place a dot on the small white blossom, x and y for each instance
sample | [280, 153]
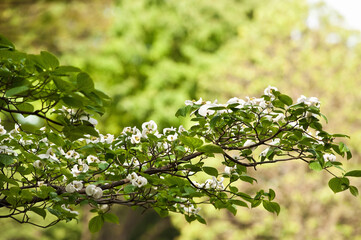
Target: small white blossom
[205, 111]
[49, 155]
[69, 210]
[92, 121]
[70, 188]
[104, 207]
[248, 143]
[72, 154]
[2, 130]
[191, 209]
[268, 90]
[135, 138]
[151, 125]
[98, 193]
[94, 191]
[38, 164]
[78, 185]
[279, 117]
[90, 159]
[89, 190]
[329, 157]
[173, 137]
[139, 182]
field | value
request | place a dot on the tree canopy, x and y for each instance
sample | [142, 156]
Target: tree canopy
[50, 170]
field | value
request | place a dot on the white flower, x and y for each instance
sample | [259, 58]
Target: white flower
[171, 129]
[132, 176]
[135, 138]
[173, 137]
[311, 101]
[89, 190]
[248, 143]
[49, 155]
[229, 170]
[275, 141]
[72, 154]
[151, 125]
[38, 164]
[280, 117]
[98, 193]
[181, 129]
[264, 152]
[127, 130]
[268, 90]
[94, 191]
[74, 186]
[329, 157]
[78, 185]
[205, 111]
[70, 188]
[188, 102]
[139, 182]
[104, 207]
[200, 100]
[136, 180]
[16, 128]
[90, 159]
[2, 130]
[92, 121]
[198, 185]
[234, 100]
[69, 210]
[191, 209]
[41, 183]
[106, 138]
[214, 184]
[75, 170]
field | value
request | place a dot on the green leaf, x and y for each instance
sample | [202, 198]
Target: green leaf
[271, 194]
[25, 107]
[247, 179]
[161, 212]
[39, 211]
[84, 82]
[200, 219]
[340, 135]
[210, 148]
[354, 191]
[16, 90]
[95, 224]
[66, 69]
[55, 138]
[271, 206]
[338, 184]
[112, 218]
[238, 203]
[354, 173]
[6, 159]
[129, 188]
[72, 101]
[191, 142]
[210, 171]
[232, 209]
[5, 43]
[315, 165]
[49, 59]
[285, 99]
[182, 112]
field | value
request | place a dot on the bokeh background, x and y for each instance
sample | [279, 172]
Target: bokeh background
[152, 55]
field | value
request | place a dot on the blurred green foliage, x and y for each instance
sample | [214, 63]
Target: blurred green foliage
[150, 56]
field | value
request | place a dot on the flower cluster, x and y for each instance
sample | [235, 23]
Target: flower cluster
[153, 167]
[136, 180]
[94, 191]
